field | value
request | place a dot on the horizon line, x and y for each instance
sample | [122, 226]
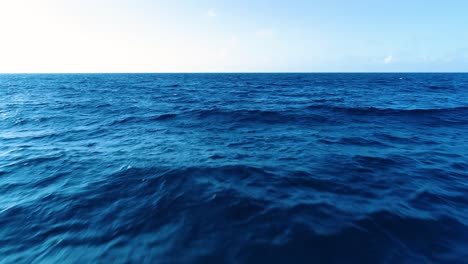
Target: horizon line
[238, 72]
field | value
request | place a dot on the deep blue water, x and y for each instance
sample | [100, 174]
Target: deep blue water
[234, 168]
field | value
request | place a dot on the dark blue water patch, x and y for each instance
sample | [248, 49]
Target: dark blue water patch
[165, 116]
[234, 168]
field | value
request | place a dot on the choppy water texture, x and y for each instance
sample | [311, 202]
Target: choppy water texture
[234, 168]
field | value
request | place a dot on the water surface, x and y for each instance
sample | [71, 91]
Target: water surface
[234, 168]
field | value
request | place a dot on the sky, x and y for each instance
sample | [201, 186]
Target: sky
[233, 36]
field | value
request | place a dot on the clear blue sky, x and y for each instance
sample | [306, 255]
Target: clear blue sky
[233, 36]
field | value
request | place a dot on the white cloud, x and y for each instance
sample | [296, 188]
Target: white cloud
[389, 59]
[264, 33]
[211, 13]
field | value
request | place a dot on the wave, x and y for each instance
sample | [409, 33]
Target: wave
[441, 87]
[260, 116]
[164, 117]
[388, 137]
[172, 85]
[142, 119]
[314, 114]
[389, 111]
[357, 141]
[224, 115]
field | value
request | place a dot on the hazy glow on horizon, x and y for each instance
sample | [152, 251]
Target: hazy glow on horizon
[232, 36]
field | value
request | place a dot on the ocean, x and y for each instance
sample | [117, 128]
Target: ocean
[234, 168]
